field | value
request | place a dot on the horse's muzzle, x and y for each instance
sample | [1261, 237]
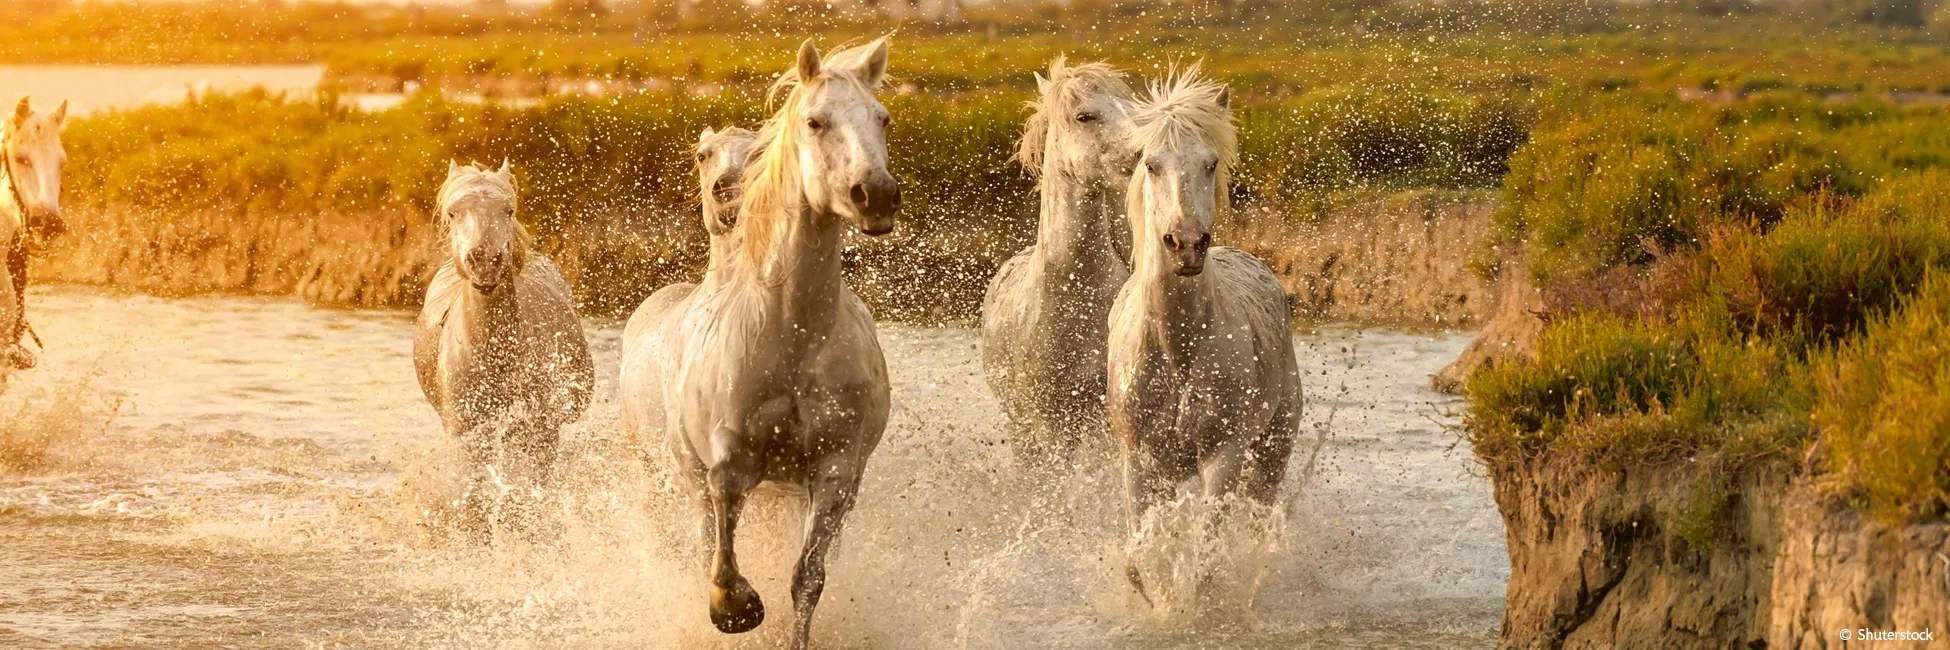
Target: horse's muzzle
[43, 225]
[876, 200]
[1188, 251]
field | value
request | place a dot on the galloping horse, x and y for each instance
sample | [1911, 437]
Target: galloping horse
[1204, 386]
[498, 348]
[773, 370]
[31, 158]
[1045, 313]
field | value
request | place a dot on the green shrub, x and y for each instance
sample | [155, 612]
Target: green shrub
[1884, 408]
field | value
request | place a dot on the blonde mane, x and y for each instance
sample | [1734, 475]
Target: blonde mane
[771, 181]
[470, 179]
[1184, 108]
[1066, 89]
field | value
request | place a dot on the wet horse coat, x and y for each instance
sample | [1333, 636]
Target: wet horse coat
[1045, 314]
[498, 348]
[772, 371]
[1204, 384]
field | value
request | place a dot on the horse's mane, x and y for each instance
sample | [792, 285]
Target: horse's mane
[1183, 108]
[1067, 88]
[770, 181]
[468, 180]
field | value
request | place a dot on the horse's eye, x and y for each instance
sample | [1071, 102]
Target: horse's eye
[23, 161]
[1212, 168]
[701, 157]
[1086, 118]
[885, 121]
[1151, 167]
[814, 123]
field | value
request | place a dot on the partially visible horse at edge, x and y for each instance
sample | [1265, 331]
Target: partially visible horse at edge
[773, 371]
[498, 348]
[31, 159]
[1204, 384]
[1045, 314]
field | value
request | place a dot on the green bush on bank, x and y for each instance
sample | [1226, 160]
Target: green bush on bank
[1734, 282]
[1884, 408]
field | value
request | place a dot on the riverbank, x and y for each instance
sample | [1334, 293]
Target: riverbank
[1664, 555]
[1717, 410]
[1376, 259]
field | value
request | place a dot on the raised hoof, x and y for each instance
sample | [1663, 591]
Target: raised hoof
[736, 610]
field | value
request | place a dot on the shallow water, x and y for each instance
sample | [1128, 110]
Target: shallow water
[203, 471]
[93, 88]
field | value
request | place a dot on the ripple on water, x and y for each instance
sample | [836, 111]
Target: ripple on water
[256, 472]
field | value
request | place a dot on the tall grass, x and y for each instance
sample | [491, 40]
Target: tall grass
[1884, 408]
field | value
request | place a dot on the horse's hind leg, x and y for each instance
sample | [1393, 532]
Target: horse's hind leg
[830, 497]
[735, 606]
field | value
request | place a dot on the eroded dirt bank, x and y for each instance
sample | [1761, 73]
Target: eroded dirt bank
[1393, 259]
[1665, 555]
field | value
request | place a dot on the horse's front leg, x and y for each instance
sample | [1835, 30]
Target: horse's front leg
[830, 495]
[735, 606]
[1146, 484]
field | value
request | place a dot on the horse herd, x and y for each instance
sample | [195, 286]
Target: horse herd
[1122, 316]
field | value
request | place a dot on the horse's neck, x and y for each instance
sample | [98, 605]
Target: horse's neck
[1073, 237]
[1178, 309]
[491, 322]
[800, 276]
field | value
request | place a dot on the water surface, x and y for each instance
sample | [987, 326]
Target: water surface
[244, 471]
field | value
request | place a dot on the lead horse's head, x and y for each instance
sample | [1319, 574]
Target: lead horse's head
[1187, 145]
[827, 143]
[477, 207]
[32, 169]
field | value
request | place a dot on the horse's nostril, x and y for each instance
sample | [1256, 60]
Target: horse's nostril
[1171, 242]
[1204, 241]
[858, 193]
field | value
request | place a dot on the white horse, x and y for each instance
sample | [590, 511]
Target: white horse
[498, 348]
[31, 158]
[773, 371]
[1204, 387]
[721, 158]
[1045, 313]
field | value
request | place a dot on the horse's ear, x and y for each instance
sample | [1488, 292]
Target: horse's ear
[22, 111]
[61, 114]
[453, 167]
[873, 67]
[1225, 98]
[1042, 85]
[507, 171]
[706, 135]
[808, 66]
